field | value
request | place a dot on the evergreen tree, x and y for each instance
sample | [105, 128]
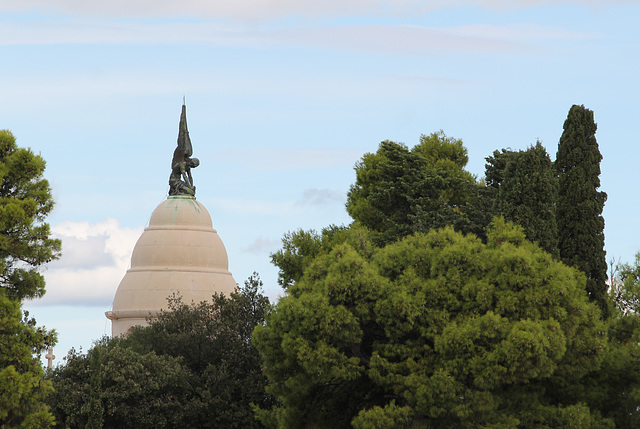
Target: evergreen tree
[113, 386]
[22, 387]
[399, 191]
[194, 366]
[527, 192]
[436, 330]
[25, 201]
[95, 409]
[580, 204]
[25, 245]
[496, 166]
[300, 248]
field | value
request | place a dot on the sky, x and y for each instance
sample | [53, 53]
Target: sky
[283, 98]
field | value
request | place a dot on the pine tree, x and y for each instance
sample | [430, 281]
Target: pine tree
[580, 204]
[25, 245]
[436, 330]
[25, 201]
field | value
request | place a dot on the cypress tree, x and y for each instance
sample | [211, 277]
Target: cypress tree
[527, 194]
[580, 204]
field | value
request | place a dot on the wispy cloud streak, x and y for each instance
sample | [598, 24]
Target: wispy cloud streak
[269, 10]
[388, 39]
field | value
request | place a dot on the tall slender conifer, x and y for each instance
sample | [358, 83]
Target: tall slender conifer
[580, 203]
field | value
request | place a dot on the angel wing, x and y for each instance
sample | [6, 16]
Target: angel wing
[184, 149]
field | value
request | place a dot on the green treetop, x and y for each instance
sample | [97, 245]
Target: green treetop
[25, 201]
[399, 191]
[526, 192]
[580, 203]
[113, 386]
[435, 330]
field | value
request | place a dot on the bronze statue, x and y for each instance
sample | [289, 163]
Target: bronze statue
[180, 180]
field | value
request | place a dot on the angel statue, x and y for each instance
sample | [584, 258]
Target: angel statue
[180, 180]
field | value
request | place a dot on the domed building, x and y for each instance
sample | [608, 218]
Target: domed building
[178, 253]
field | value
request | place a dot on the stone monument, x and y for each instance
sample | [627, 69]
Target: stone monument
[178, 253]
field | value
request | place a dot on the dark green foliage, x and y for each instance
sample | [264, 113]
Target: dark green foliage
[95, 414]
[387, 185]
[580, 204]
[397, 192]
[436, 330]
[497, 165]
[194, 366]
[400, 191]
[526, 194]
[25, 246]
[134, 390]
[214, 342]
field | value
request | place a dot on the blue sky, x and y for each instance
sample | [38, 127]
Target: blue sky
[283, 97]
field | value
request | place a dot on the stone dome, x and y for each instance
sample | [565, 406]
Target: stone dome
[179, 252]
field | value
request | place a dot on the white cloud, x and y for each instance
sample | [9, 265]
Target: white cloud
[95, 258]
[84, 252]
[321, 197]
[263, 245]
[118, 241]
[267, 10]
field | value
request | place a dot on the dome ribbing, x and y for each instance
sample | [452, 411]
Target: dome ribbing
[179, 252]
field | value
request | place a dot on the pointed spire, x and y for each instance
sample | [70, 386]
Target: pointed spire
[184, 141]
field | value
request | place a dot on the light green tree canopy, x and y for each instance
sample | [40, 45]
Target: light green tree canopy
[436, 330]
[614, 389]
[439, 150]
[22, 388]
